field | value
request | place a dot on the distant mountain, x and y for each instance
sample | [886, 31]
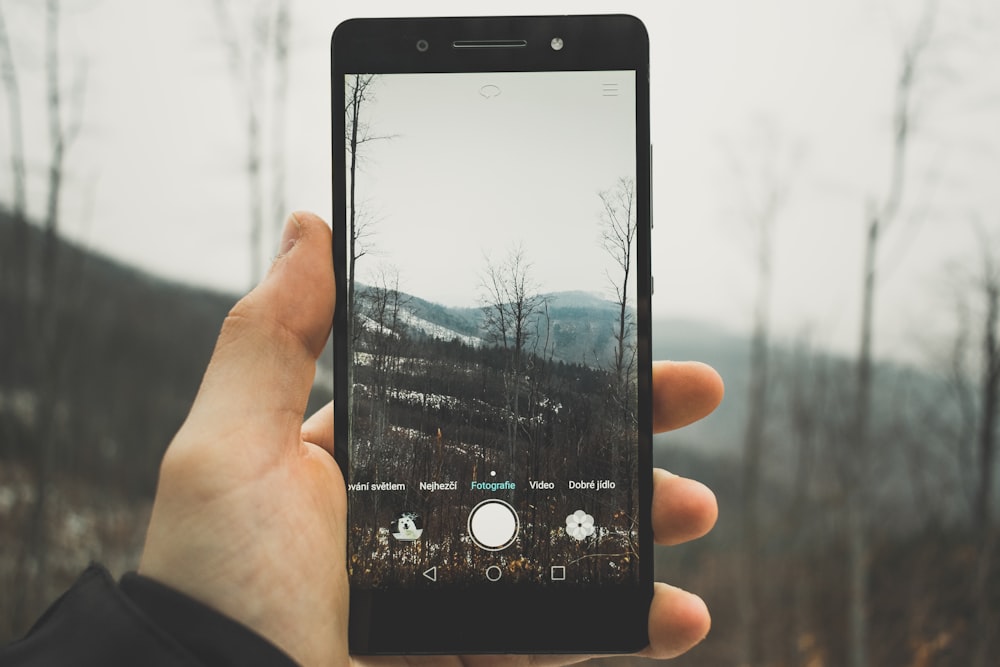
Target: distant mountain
[459, 321]
[102, 365]
[575, 327]
[578, 299]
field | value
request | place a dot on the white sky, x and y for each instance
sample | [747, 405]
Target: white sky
[155, 177]
[466, 176]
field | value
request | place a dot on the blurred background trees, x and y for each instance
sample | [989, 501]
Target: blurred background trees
[851, 306]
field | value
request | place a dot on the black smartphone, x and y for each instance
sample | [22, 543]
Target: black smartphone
[492, 332]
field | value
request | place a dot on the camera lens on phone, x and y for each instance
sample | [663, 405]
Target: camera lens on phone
[422, 45]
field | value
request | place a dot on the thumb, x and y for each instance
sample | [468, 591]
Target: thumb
[258, 381]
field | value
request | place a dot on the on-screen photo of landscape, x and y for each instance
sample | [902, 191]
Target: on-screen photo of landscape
[523, 392]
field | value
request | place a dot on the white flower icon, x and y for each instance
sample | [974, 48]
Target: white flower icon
[579, 525]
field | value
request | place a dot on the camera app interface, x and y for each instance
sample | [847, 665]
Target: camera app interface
[491, 291]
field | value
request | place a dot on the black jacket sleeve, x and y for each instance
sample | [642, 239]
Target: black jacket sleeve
[140, 622]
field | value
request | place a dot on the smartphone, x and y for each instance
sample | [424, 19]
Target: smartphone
[492, 332]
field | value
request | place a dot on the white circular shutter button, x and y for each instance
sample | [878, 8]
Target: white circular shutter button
[493, 525]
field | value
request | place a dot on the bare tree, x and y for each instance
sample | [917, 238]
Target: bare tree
[359, 91]
[542, 352]
[282, 47]
[50, 348]
[881, 214]
[383, 335]
[807, 379]
[986, 445]
[619, 227]
[618, 233]
[765, 182]
[959, 391]
[250, 60]
[60, 134]
[509, 303]
[13, 274]
[8, 71]
[989, 290]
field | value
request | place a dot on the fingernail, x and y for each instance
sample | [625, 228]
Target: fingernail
[290, 235]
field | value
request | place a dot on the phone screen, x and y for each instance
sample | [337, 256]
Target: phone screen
[492, 311]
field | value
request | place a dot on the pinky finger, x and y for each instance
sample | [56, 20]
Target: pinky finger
[678, 620]
[318, 429]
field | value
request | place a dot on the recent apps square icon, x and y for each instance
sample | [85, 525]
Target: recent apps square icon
[407, 527]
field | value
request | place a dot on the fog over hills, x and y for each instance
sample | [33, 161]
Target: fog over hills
[581, 330]
[575, 327]
[582, 325]
[125, 330]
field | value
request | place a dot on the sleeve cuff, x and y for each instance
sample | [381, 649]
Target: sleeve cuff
[139, 622]
[210, 636]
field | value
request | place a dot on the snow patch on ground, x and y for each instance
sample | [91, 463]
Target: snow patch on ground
[438, 331]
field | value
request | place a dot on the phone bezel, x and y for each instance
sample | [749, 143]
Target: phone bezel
[485, 619]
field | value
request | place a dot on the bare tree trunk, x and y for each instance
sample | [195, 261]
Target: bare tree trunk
[767, 190]
[510, 302]
[808, 402]
[33, 559]
[983, 504]
[357, 93]
[750, 599]
[619, 226]
[14, 263]
[982, 509]
[354, 104]
[880, 217]
[856, 476]
[9, 74]
[56, 136]
[248, 66]
[282, 36]
[255, 141]
[753, 442]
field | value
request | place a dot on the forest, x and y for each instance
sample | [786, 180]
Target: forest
[431, 409]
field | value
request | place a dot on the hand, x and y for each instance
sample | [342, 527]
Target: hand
[250, 511]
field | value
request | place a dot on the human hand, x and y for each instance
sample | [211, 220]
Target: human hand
[250, 512]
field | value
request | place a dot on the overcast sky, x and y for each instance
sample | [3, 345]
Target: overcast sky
[476, 164]
[155, 177]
